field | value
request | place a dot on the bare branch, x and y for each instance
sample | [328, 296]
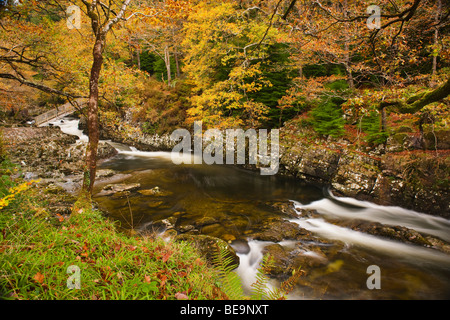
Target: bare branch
[38, 86]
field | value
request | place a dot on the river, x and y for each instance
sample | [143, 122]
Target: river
[235, 204]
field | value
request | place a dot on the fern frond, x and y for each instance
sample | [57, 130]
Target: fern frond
[260, 285]
[288, 284]
[230, 281]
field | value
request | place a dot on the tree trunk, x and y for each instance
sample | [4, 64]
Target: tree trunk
[92, 116]
[167, 61]
[436, 38]
[138, 54]
[347, 57]
[177, 63]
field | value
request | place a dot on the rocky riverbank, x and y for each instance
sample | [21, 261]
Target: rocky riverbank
[54, 158]
[412, 179]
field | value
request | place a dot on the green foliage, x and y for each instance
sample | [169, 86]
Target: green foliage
[155, 65]
[327, 119]
[277, 69]
[371, 126]
[323, 70]
[230, 281]
[338, 85]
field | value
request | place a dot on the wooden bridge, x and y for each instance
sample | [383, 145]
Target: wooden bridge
[57, 112]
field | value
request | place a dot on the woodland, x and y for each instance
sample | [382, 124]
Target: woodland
[364, 74]
[165, 64]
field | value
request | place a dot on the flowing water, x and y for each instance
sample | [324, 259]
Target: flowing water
[235, 204]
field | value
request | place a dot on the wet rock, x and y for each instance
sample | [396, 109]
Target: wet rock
[83, 125]
[104, 173]
[308, 213]
[240, 246]
[209, 247]
[398, 233]
[301, 259]
[156, 191]
[121, 187]
[160, 225]
[284, 260]
[121, 194]
[287, 208]
[279, 262]
[277, 231]
[438, 244]
[228, 237]
[206, 221]
[155, 204]
[186, 228]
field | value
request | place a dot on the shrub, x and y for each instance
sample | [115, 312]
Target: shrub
[371, 126]
[327, 119]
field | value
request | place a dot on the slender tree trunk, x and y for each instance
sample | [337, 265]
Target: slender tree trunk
[347, 58]
[436, 38]
[167, 61]
[92, 116]
[177, 63]
[138, 54]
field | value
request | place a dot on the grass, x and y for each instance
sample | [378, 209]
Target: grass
[37, 248]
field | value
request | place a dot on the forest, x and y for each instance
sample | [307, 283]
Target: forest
[358, 89]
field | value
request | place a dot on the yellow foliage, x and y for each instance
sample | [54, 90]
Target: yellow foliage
[14, 191]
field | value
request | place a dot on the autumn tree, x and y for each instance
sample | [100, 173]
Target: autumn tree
[162, 35]
[26, 47]
[228, 51]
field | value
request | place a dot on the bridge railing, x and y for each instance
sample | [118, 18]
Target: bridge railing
[65, 109]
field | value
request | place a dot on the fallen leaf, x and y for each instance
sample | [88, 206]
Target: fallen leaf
[60, 217]
[166, 256]
[147, 279]
[181, 296]
[39, 277]
[163, 279]
[132, 248]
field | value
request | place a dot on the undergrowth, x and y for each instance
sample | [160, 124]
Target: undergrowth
[39, 252]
